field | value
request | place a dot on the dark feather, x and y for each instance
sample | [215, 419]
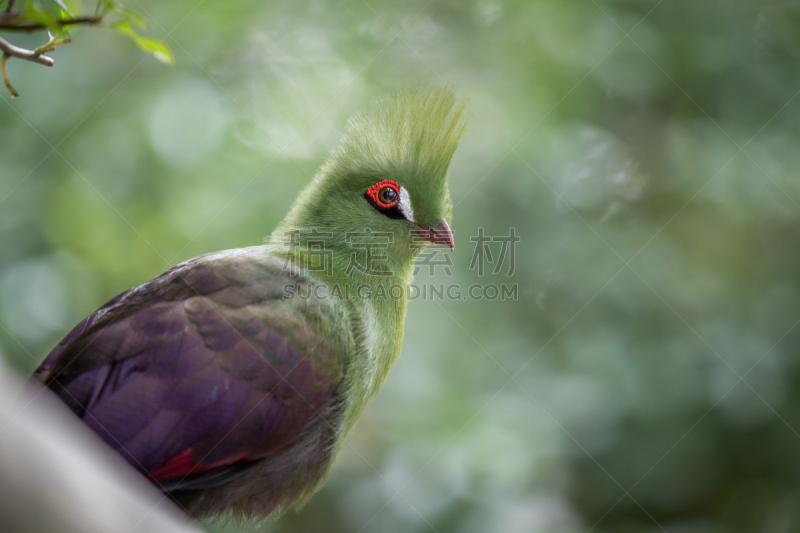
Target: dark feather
[197, 375]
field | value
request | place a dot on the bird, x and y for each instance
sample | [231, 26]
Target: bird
[231, 380]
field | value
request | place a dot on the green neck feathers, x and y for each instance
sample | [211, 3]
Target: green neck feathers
[364, 255]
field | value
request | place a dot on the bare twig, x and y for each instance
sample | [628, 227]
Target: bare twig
[51, 44]
[6, 81]
[36, 56]
[9, 50]
[12, 22]
[49, 47]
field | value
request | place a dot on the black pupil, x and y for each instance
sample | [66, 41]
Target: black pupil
[387, 195]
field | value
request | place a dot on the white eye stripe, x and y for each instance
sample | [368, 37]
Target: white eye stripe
[405, 205]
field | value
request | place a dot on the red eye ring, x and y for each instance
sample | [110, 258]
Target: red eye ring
[378, 194]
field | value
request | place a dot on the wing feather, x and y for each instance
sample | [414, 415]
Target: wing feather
[202, 370]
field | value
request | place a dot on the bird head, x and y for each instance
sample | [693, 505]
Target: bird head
[388, 176]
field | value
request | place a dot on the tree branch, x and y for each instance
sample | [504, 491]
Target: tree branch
[4, 72]
[36, 56]
[11, 22]
[9, 50]
[37, 19]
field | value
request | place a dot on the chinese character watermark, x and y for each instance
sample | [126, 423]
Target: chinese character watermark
[369, 255]
[316, 256]
[430, 257]
[368, 246]
[483, 252]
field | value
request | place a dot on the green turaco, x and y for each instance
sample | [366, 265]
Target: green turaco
[231, 380]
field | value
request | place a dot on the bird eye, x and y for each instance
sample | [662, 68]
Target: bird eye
[387, 195]
[384, 194]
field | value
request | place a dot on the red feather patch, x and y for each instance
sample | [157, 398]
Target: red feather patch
[183, 464]
[373, 192]
[180, 465]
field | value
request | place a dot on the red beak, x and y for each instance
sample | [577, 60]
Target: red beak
[441, 234]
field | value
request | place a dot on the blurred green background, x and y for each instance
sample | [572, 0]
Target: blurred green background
[645, 152]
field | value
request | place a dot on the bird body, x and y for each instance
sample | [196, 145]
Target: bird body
[220, 384]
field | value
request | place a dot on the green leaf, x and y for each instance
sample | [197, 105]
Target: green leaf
[42, 16]
[64, 9]
[132, 16]
[159, 49]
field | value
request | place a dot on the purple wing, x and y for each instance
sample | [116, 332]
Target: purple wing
[196, 374]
